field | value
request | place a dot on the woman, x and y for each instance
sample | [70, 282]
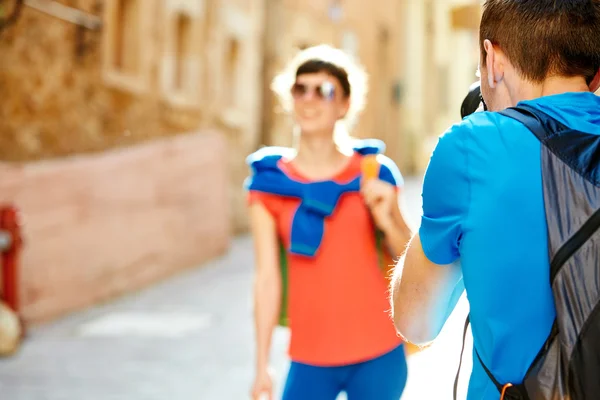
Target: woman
[313, 210]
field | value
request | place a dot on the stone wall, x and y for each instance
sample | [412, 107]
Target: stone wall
[99, 225]
[55, 101]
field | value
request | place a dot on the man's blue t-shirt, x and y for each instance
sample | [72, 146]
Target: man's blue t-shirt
[483, 204]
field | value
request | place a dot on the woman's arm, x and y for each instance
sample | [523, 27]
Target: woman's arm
[383, 199]
[397, 232]
[267, 281]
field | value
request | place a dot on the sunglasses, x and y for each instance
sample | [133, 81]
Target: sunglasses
[324, 91]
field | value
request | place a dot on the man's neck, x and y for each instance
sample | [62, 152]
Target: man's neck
[550, 86]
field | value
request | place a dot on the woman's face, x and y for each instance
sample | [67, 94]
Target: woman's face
[319, 102]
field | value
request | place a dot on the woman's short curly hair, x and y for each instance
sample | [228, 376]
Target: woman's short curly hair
[325, 55]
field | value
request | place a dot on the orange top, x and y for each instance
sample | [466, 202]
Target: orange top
[338, 300]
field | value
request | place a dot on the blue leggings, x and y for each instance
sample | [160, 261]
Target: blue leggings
[382, 378]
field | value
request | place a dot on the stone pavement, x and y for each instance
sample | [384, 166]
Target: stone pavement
[190, 337]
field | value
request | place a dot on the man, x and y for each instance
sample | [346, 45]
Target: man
[483, 210]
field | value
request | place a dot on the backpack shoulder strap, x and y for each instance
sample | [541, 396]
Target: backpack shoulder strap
[534, 120]
[579, 150]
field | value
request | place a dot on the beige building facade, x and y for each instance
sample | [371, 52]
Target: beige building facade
[441, 59]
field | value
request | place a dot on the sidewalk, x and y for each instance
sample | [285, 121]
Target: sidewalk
[190, 337]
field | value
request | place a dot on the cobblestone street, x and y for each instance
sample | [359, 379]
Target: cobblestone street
[190, 337]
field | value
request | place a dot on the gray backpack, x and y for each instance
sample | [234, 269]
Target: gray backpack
[568, 364]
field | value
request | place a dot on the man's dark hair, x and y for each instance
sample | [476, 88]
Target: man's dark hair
[316, 66]
[543, 38]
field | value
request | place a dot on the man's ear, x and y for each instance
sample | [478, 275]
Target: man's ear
[490, 58]
[595, 83]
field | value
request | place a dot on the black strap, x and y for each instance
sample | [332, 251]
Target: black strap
[574, 243]
[516, 392]
[498, 385]
[529, 119]
[462, 350]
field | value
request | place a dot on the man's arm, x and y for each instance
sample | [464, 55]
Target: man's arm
[421, 294]
[427, 282]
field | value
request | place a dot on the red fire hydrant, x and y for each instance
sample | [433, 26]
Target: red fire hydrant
[11, 243]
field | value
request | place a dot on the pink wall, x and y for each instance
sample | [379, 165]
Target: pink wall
[100, 225]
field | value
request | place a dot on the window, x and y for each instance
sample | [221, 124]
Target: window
[231, 72]
[126, 45]
[126, 40]
[183, 44]
[183, 48]
[233, 67]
